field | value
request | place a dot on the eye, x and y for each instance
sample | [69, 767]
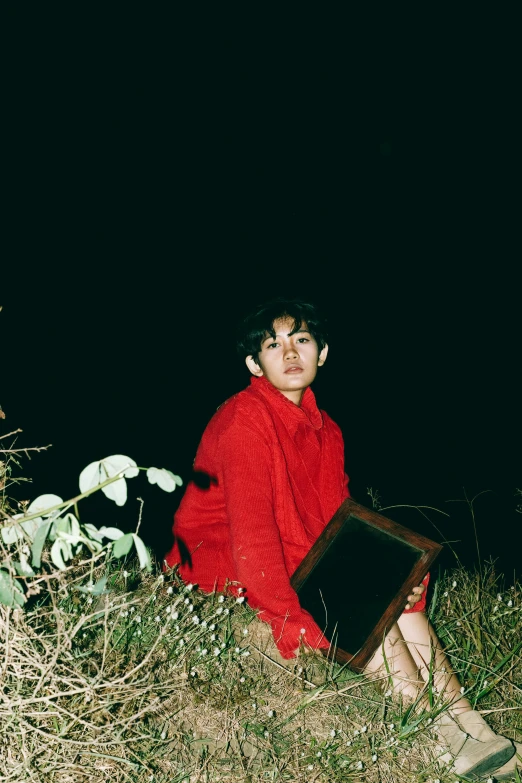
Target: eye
[303, 340]
[272, 345]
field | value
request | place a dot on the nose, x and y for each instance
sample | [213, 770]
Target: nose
[290, 352]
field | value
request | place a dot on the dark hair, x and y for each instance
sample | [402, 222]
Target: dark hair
[260, 323]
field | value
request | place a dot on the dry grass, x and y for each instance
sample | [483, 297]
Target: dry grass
[131, 687]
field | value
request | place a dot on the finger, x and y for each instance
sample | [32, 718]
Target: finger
[407, 606]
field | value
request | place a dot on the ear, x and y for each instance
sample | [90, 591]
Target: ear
[322, 356]
[253, 366]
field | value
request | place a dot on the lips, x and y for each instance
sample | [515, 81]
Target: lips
[293, 369]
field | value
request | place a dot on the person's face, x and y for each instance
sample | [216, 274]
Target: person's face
[289, 361]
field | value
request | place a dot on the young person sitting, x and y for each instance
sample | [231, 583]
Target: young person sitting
[275, 468]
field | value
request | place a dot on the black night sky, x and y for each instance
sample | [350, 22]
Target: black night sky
[163, 175]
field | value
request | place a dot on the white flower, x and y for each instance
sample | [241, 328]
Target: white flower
[204, 624]
[226, 611]
[89, 600]
[391, 726]
[463, 690]
[302, 631]
[454, 584]
[485, 683]
[241, 679]
[310, 766]
[125, 574]
[223, 645]
[189, 587]
[240, 600]
[245, 631]
[175, 615]
[237, 649]
[211, 627]
[364, 728]
[359, 765]
[499, 597]
[270, 713]
[510, 602]
[139, 631]
[137, 619]
[349, 743]
[132, 609]
[186, 601]
[157, 618]
[458, 622]
[221, 599]
[446, 594]
[356, 733]
[374, 757]
[254, 706]
[219, 610]
[195, 619]
[332, 733]
[318, 754]
[213, 637]
[267, 733]
[216, 651]
[204, 652]
[245, 653]
[388, 693]
[163, 735]
[170, 590]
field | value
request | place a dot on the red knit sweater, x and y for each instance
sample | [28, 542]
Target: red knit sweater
[277, 478]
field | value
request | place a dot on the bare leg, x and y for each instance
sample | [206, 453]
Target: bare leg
[393, 656]
[426, 650]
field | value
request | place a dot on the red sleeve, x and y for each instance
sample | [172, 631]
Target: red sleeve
[255, 541]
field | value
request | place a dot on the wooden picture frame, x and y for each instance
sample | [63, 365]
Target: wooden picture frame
[356, 579]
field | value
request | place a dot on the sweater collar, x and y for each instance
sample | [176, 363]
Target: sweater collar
[293, 415]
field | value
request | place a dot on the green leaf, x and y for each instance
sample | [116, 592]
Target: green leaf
[111, 532]
[93, 532]
[60, 550]
[42, 503]
[97, 589]
[122, 546]
[143, 554]
[38, 544]
[23, 568]
[10, 592]
[164, 478]
[11, 534]
[116, 491]
[98, 472]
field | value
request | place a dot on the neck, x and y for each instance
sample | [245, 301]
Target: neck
[294, 396]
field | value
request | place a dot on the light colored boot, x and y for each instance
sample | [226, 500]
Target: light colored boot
[507, 771]
[474, 724]
[471, 757]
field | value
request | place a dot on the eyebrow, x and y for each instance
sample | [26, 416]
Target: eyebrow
[297, 331]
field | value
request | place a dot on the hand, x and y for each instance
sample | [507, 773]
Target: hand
[415, 596]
